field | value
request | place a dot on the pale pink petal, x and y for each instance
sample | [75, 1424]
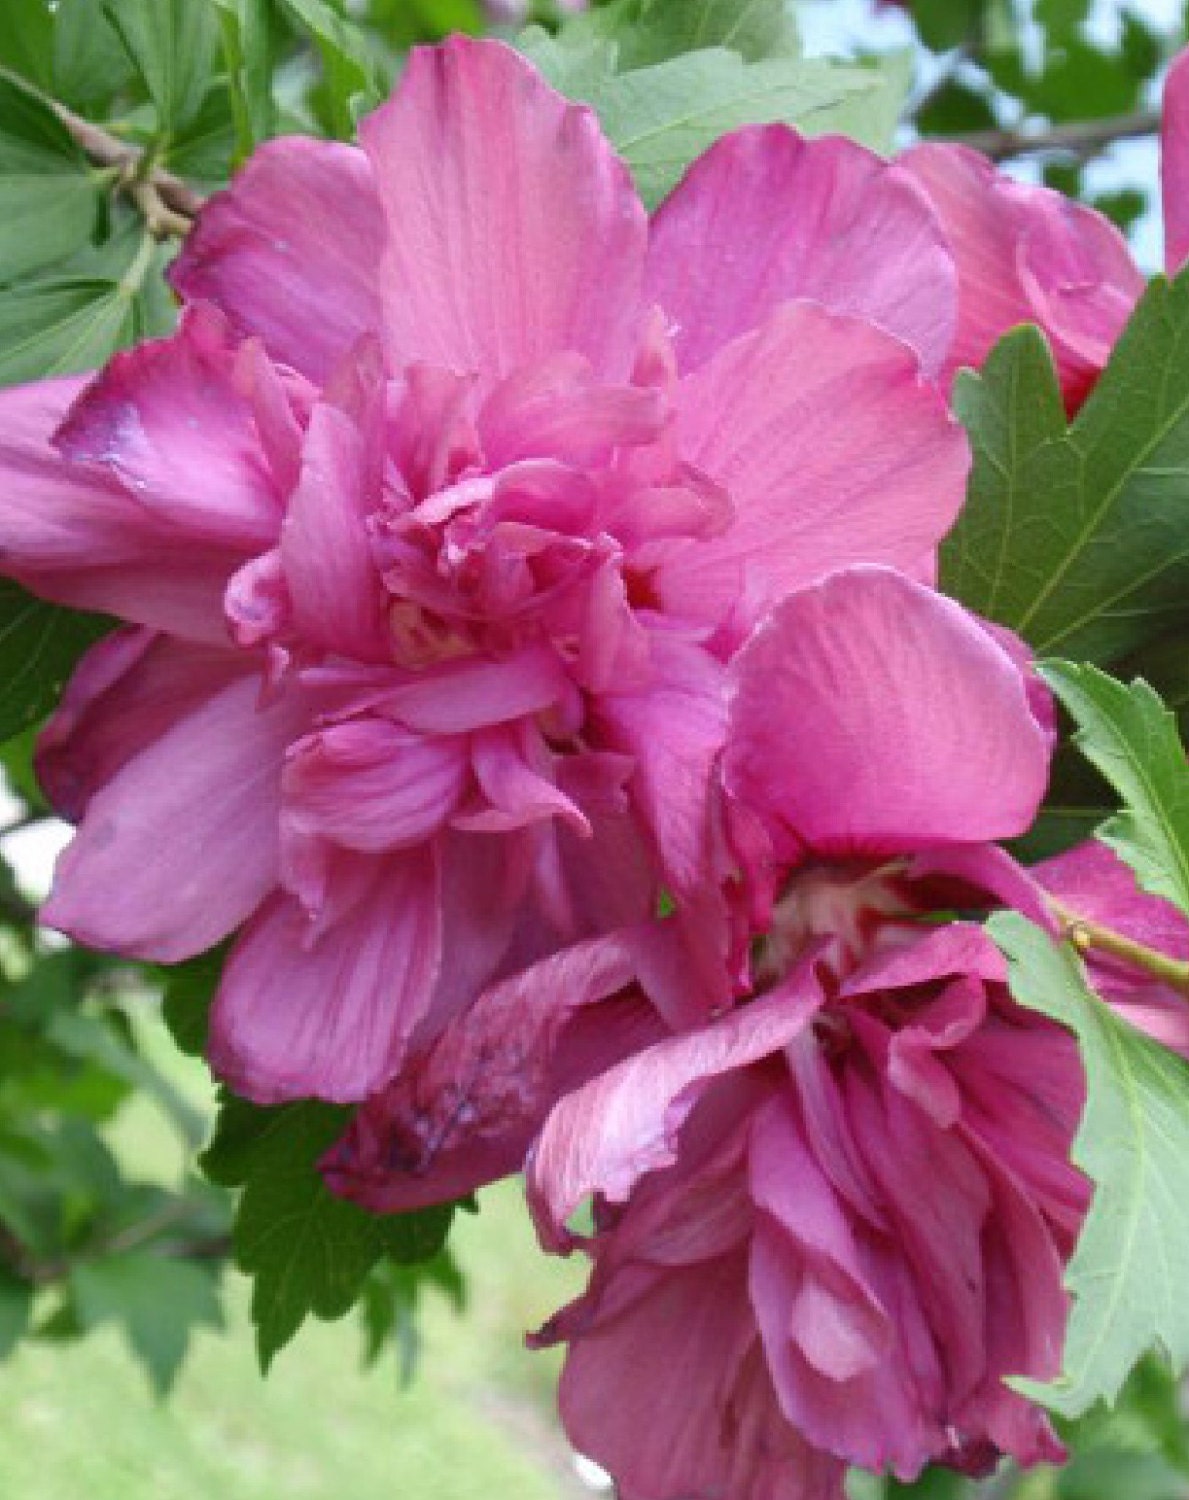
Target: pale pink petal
[291, 252]
[333, 586]
[464, 1112]
[327, 1012]
[513, 230]
[169, 419]
[467, 695]
[765, 217]
[1174, 164]
[76, 535]
[624, 1124]
[180, 846]
[515, 784]
[833, 450]
[874, 717]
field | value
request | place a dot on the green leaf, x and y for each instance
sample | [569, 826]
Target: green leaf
[1127, 1273]
[660, 118]
[1129, 735]
[349, 67]
[60, 324]
[247, 52]
[91, 64]
[16, 1306]
[39, 646]
[172, 45]
[1077, 537]
[189, 990]
[646, 32]
[27, 39]
[48, 197]
[307, 1251]
[156, 1300]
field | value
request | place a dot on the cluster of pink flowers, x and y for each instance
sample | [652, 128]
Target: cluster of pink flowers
[531, 658]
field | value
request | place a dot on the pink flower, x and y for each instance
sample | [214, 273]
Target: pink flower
[436, 524]
[1029, 255]
[843, 1210]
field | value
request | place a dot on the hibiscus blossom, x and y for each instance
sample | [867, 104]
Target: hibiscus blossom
[434, 528]
[843, 1210]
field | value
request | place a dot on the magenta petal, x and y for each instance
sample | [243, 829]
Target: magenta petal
[1174, 164]
[874, 717]
[334, 587]
[76, 535]
[291, 252]
[833, 450]
[765, 217]
[328, 1013]
[180, 846]
[486, 268]
[464, 1112]
[608, 1134]
[170, 421]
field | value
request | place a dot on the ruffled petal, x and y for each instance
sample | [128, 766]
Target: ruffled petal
[873, 717]
[291, 252]
[171, 421]
[604, 1137]
[514, 232]
[463, 1113]
[180, 846]
[333, 586]
[765, 217]
[833, 450]
[325, 1011]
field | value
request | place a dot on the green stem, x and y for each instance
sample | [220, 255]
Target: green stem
[1092, 937]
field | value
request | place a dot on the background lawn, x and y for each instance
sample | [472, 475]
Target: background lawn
[79, 1421]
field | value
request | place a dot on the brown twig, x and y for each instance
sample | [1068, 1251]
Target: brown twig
[168, 205]
[1078, 137]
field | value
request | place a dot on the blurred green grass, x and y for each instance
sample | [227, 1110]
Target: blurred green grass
[77, 1421]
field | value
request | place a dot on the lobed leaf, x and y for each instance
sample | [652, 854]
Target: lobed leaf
[1127, 1273]
[1077, 537]
[39, 646]
[1129, 735]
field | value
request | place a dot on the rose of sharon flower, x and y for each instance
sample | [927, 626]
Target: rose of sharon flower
[843, 1210]
[434, 528]
[1027, 254]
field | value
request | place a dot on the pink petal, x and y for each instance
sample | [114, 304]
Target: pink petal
[291, 252]
[125, 693]
[334, 587]
[1027, 254]
[833, 450]
[1174, 164]
[674, 730]
[76, 535]
[624, 1124]
[873, 717]
[464, 1112]
[765, 217]
[486, 268]
[180, 846]
[327, 1013]
[170, 421]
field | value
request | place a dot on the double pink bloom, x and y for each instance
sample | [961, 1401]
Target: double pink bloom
[497, 564]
